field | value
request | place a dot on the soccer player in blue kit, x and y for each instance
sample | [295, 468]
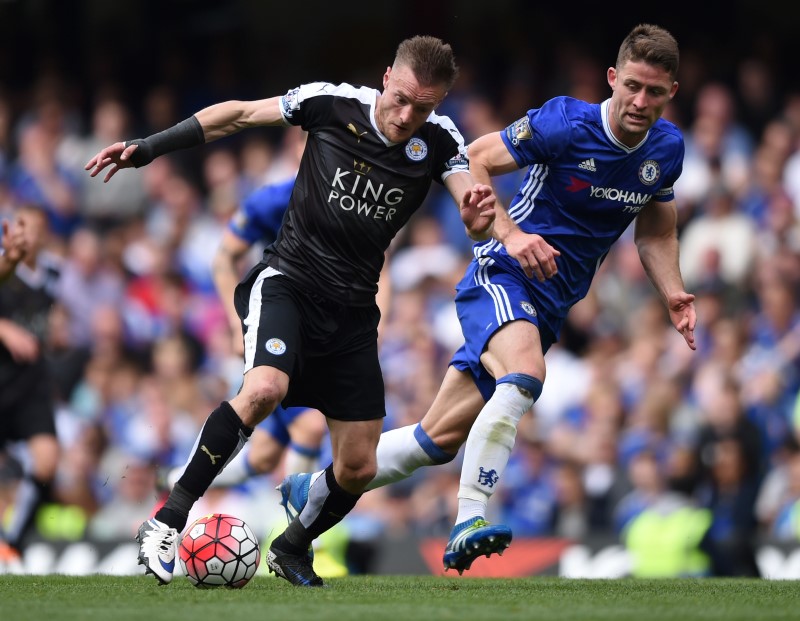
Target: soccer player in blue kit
[592, 170]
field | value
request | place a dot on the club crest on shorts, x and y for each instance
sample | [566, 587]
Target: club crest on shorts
[528, 308]
[276, 347]
[416, 150]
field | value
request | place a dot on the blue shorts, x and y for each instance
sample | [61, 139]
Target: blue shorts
[487, 298]
[277, 423]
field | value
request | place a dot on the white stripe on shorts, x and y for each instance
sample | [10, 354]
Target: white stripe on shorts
[502, 306]
[253, 317]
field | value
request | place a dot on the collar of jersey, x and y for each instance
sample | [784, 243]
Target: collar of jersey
[372, 120]
[607, 129]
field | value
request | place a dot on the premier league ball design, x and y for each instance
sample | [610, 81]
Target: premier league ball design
[219, 550]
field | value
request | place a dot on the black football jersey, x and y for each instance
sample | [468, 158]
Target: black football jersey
[26, 299]
[354, 190]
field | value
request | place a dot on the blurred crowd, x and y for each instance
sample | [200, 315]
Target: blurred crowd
[630, 420]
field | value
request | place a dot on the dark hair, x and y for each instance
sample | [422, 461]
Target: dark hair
[431, 60]
[652, 45]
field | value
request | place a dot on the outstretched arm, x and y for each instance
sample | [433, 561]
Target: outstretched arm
[657, 241]
[489, 157]
[225, 272]
[212, 123]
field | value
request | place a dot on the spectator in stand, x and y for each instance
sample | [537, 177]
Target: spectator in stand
[718, 147]
[12, 246]
[730, 494]
[718, 397]
[529, 499]
[779, 489]
[88, 282]
[101, 208]
[718, 245]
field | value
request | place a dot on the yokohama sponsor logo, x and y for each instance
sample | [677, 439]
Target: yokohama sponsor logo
[620, 196]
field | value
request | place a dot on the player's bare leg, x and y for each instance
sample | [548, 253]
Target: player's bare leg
[330, 498]
[223, 435]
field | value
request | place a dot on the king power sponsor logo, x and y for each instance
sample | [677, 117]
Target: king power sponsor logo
[353, 191]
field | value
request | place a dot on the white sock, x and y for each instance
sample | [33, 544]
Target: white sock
[26, 500]
[400, 454]
[299, 461]
[488, 448]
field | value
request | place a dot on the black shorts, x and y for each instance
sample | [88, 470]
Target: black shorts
[329, 351]
[26, 402]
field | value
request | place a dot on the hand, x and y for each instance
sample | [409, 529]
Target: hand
[14, 242]
[478, 211]
[683, 316]
[117, 154]
[535, 256]
[21, 344]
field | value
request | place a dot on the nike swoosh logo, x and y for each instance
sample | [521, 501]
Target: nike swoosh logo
[168, 566]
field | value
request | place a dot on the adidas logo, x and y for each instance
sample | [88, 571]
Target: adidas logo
[588, 165]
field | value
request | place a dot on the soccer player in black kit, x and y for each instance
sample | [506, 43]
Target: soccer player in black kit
[308, 309]
[27, 411]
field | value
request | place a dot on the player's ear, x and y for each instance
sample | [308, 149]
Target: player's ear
[386, 77]
[673, 90]
[611, 76]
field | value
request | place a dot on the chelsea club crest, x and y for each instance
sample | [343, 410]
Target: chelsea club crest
[528, 308]
[649, 172]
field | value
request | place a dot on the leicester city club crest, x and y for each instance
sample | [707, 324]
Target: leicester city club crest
[276, 347]
[416, 150]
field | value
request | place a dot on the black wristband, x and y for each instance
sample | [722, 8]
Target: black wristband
[188, 133]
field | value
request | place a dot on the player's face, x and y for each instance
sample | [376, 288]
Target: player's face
[405, 104]
[34, 225]
[640, 93]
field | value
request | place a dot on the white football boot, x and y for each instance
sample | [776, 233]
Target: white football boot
[158, 545]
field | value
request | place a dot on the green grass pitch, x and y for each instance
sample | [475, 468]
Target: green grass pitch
[395, 598]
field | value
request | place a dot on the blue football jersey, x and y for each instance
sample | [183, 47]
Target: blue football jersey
[260, 215]
[582, 189]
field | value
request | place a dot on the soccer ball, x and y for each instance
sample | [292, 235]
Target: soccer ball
[219, 550]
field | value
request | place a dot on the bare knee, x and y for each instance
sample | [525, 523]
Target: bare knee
[353, 474]
[260, 394]
[45, 453]
[354, 445]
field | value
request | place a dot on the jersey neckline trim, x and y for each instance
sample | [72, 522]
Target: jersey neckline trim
[604, 107]
[374, 122]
